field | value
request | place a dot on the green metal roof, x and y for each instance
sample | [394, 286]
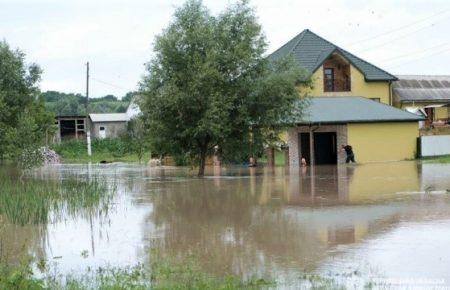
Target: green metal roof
[311, 50]
[352, 110]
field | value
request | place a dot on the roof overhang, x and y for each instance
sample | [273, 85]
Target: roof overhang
[360, 122]
[344, 110]
[338, 51]
[435, 106]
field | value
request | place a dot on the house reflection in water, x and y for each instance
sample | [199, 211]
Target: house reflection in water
[259, 218]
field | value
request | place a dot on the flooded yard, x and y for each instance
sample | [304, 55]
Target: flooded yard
[386, 223]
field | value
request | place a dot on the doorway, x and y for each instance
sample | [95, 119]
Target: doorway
[325, 148]
[67, 128]
[102, 132]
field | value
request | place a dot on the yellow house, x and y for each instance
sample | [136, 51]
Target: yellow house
[351, 103]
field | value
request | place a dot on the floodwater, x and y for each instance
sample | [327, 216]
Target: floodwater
[387, 222]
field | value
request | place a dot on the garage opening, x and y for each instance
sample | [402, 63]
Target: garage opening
[325, 151]
[68, 128]
[325, 148]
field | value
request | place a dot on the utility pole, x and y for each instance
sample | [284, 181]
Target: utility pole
[87, 125]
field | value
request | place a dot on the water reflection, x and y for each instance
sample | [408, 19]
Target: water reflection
[277, 220]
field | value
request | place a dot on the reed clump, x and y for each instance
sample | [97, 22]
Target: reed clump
[36, 201]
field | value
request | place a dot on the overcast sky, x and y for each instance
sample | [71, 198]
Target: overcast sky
[400, 36]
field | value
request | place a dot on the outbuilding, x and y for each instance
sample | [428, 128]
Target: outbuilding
[376, 131]
[429, 94]
[112, 125]
[108, 125]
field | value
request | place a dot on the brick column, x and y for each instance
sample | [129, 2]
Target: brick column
[270, 154]
[292, 143]
[286, 155]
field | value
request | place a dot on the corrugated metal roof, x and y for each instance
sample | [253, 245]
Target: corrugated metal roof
[352, 110]
[422, 88]
[112, 117]
[311, 50]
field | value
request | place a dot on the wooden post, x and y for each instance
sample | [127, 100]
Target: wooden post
[286, 155]
[311, 147]
[270, 153]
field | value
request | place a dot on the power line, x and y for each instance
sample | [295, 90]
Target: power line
[414, 52]
[425, 56]
[109, 84]
[400, 37]
[399, 28]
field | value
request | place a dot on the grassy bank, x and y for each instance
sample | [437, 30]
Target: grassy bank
[110, 150]
[437, 159]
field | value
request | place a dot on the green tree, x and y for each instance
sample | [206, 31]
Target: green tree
[24, 121]
[137, 137]
[128, 96]
[69, 106]
[210, 84]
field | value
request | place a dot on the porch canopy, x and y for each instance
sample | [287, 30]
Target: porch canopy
[343, 110]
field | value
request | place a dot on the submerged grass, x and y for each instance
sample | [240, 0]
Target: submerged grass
[33, 201]
[163, 274]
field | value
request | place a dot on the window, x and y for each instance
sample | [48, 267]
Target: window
[102, 128]
[328, 80]
[376, 99]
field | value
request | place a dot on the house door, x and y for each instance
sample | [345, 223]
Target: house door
[325, 149]
[102, 132]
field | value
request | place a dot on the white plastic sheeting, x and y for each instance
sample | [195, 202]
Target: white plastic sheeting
[435, 145]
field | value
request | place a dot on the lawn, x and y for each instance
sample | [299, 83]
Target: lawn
[437, 159]
[280, 158]
[109, 150]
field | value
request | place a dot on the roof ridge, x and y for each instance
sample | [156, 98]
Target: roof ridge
[284, 45]
[341, 49]
[301, 36]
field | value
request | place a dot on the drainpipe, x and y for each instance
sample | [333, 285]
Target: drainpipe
[390, 93]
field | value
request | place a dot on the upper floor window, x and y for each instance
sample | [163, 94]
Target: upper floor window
[336, 74]
[328, 80]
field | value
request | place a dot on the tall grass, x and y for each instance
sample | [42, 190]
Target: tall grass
[110, 149]
[33, 201]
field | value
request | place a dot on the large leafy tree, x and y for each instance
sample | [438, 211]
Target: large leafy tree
[210, 86]
[24, 122]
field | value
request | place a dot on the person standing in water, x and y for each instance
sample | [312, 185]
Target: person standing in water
[350, 155]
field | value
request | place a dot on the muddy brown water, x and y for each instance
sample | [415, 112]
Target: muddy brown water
[387, 221]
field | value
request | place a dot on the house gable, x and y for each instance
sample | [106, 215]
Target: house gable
[379, 91]
[311, 50]
[361, 78]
